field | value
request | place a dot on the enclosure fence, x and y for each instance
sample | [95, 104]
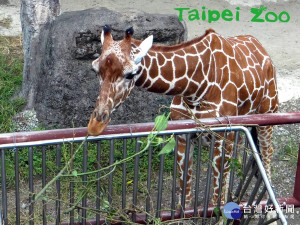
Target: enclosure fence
[114, 178]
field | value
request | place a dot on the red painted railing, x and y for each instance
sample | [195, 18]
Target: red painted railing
[259, 119]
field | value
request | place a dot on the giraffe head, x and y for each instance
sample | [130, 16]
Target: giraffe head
[117, 67]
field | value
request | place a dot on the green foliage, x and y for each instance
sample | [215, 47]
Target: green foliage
[70, 168]
[169, 147]
[161, 122]
[11, 67]
[236, 165]
[217, 212]
[289, 152]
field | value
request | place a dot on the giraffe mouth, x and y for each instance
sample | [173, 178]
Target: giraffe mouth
[98, 123]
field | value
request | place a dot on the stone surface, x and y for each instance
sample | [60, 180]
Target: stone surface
[25, 121]
[3, 2]
[36, 17]
[67, 89]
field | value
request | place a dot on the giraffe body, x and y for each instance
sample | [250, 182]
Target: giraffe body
[210, 76]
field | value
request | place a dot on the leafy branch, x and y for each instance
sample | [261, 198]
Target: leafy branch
[161, 123]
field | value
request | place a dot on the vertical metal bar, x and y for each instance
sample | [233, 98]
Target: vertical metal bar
[208, 179]
[296, 194]
[72, 200]
[31, 190]
[241, 183]
[173, 203]
[245, 156]
[255, 190]
[124, 174]
[57, 202]
[185, 173]
[251, 199]
[84, 179]
[135, 178]
[248, 181]
[3, 187]
[110, 177]
[149, 182]
[234, 154]
[17, 186]
[198, 170]
[0, 218]
[259, 198]
[98, 189]
[222, 169]
[160, 183]
[44, 183]
[261, 195]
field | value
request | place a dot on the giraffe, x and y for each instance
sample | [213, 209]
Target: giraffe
[210, 76]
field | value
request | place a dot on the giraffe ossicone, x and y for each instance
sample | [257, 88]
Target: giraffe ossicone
[209, 76]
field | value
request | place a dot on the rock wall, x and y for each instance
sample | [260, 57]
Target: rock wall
[67, 89]
[36, 17]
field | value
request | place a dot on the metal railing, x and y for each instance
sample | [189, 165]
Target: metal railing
[137, 197]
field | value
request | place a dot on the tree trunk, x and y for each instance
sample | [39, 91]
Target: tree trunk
[36, 17]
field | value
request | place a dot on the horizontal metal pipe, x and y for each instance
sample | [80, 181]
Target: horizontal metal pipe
[110, 137]
[257, 119]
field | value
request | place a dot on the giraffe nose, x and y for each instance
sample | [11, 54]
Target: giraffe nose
[98, 122]
[101, 117]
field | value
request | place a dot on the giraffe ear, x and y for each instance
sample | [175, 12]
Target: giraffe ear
[106, 32]
[144, 48]
[128, 33]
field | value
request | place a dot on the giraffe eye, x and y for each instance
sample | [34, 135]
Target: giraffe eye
[129, 75]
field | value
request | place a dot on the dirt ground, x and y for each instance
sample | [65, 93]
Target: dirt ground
[281, 40]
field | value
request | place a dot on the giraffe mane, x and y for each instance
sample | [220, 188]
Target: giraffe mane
[164, 48]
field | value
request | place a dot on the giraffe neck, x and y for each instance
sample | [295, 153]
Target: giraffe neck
[182, 71]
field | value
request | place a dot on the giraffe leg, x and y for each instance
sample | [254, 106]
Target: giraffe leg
[264, 134]
[220, 146]
[180, 162]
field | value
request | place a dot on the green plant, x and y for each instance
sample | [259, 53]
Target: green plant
[11, 67]
[235, 164]
[160, 125]
[71, 170]
[289, 152]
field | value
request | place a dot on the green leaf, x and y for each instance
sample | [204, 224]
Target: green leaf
[224, 217]
[74, 173]
[217, 212]
[150, 136]
[157, 141]
[161, 122]
[168, 147]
